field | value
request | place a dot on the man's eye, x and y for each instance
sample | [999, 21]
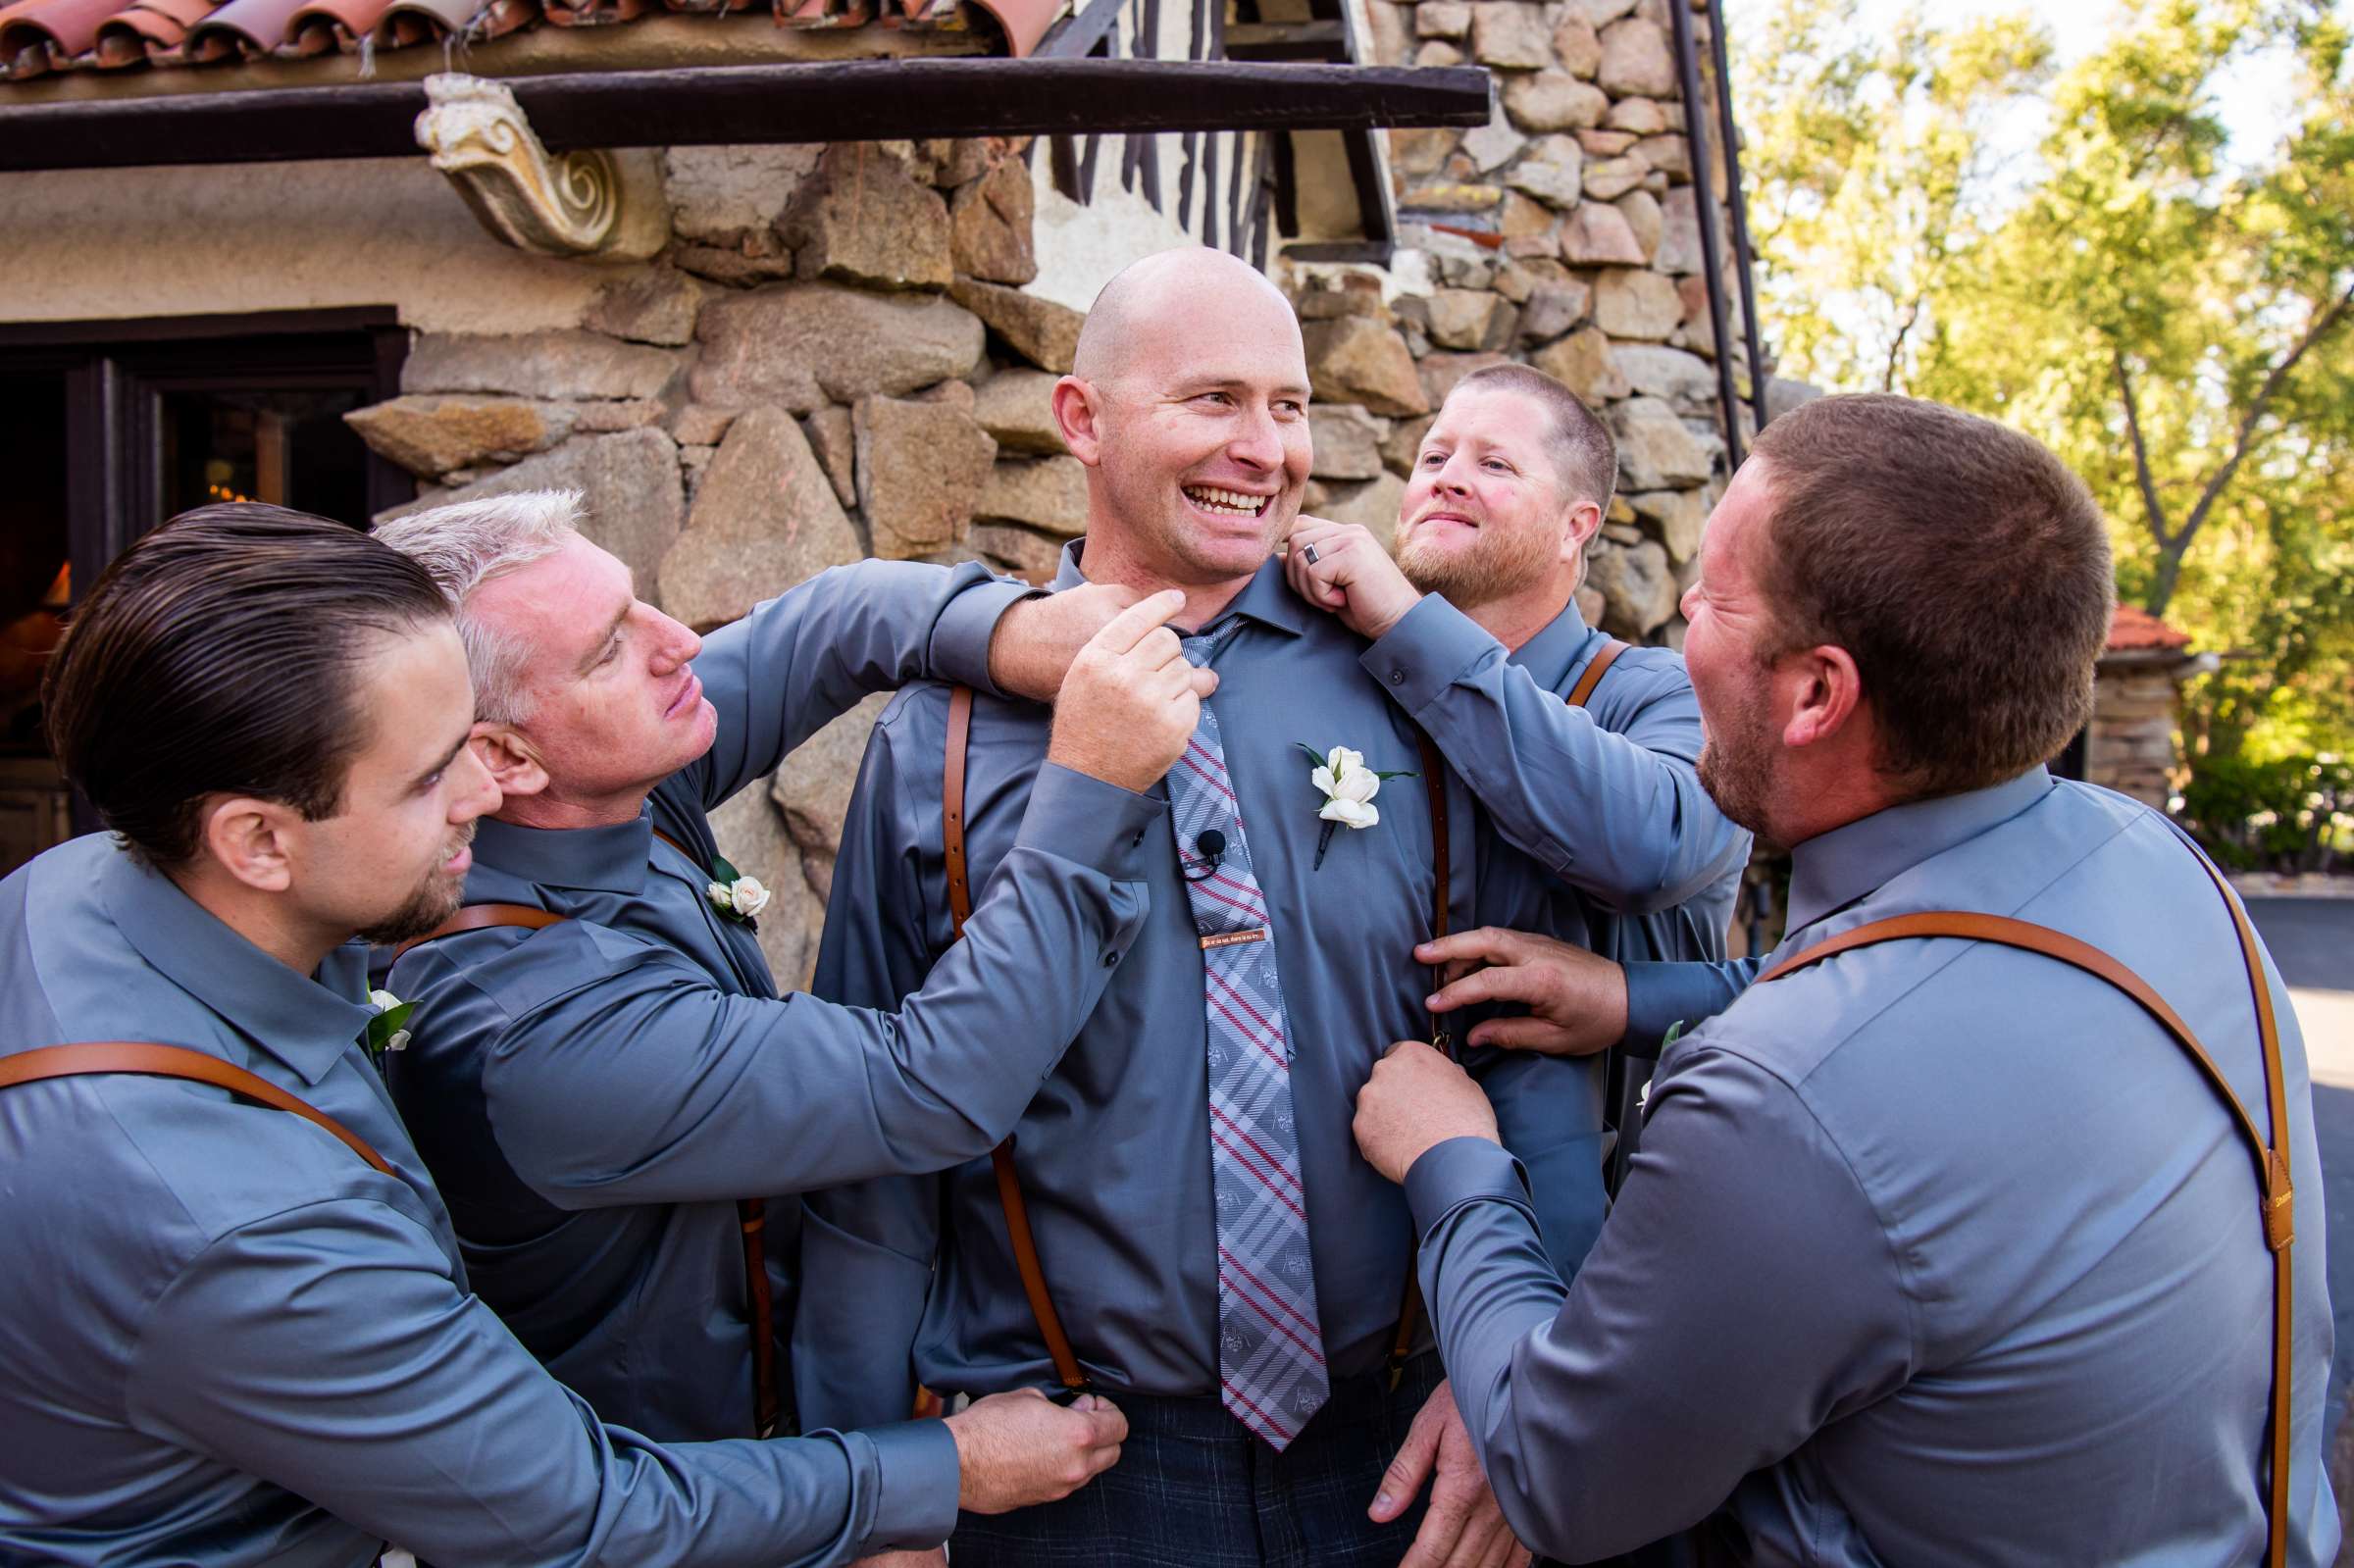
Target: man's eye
[1429, 458]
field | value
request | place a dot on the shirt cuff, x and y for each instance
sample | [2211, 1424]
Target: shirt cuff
[959, 651]
[918, 1478]
[1460, 1171]
[1422, 655]
[1080, 818]
[1662, 996]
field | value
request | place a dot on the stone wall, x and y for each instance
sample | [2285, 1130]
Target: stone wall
[2132, 745]
[1565, 234]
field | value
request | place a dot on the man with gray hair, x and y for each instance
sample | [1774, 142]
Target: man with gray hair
[602, 1071]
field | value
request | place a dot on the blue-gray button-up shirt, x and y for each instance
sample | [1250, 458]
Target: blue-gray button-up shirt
[1936, 1252]
[1113, 1150]
[226, 1340]
[594, 1097]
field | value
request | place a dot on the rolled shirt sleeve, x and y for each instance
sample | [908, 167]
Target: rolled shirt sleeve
[1619, 816]
[755, 1094]
[329, 1350]
[1719, 1321]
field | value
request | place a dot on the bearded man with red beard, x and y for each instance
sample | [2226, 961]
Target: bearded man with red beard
[1587, 750]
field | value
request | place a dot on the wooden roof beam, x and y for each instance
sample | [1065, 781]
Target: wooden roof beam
[713, 105]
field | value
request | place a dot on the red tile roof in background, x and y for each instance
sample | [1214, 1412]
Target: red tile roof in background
[39, 38]
[2136, 630]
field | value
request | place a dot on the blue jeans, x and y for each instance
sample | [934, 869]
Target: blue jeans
[1195, 1488]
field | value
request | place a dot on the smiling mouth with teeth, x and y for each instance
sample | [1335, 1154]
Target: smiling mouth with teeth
[1232, 503]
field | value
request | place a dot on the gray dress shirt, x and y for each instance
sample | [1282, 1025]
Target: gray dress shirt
[1935, 1254]
[1113, 1150]
[594, 1097]
[226, 1340]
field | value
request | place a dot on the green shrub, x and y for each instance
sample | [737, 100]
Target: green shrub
[2291, 814]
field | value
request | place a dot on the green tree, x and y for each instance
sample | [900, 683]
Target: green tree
[2172, 314]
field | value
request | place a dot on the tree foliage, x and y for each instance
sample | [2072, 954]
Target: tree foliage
[2170, 312]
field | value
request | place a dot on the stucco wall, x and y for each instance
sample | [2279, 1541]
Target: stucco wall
[77, 245]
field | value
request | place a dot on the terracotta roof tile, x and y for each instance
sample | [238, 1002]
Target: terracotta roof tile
[2135, 630]
[39, 38]
[43, 35]
[152, 30]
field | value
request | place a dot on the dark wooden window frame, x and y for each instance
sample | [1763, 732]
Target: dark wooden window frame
[116, 370]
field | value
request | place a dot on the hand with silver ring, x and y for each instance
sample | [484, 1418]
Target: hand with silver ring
[1345, 569]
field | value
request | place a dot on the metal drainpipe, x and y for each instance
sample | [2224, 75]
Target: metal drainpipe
[1703, 202]
[1743, 257]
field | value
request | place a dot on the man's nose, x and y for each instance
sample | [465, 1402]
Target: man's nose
[1258, 442]
[674, 643]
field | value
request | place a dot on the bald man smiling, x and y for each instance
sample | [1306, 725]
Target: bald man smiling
[1212, 1251]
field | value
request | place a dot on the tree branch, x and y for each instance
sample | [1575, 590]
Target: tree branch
[2156, 520]
[1896, 345]
[2322, 321]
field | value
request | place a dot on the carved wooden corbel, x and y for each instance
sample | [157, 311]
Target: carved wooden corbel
[591, 202]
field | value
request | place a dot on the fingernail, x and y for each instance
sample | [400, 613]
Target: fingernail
[1381, 1499]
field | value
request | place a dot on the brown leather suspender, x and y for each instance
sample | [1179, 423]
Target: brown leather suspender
[1000, 1159]
[1595, 669]
[751, 1213]
[2279, 1208]
[175, 1061]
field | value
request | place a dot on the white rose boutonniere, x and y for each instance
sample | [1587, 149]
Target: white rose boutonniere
[388, 1030]
[735, 896]
[1348, 787]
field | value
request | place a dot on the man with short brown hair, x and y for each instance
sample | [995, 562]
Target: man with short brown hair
[1986, 1227]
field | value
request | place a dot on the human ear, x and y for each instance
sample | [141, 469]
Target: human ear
[1585, 521]
[251, 840]
[1825, 688]
[1076, 413]
[511, 759]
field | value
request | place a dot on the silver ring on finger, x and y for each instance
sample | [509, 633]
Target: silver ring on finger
[1308, 553]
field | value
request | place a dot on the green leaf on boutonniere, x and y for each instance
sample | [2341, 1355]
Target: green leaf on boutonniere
[1675, 1032]
[722, 872]
[388, 1029]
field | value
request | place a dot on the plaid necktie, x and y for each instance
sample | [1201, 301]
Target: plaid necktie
[1270, 1348]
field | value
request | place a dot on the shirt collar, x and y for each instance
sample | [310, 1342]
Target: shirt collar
[1266, 598]
[1558, 647]
[608, 859]
[306, 1022]
[1834, 870]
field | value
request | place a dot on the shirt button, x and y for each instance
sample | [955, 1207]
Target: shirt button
[1396, 678]
[1112, 960]
[1138, 839]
